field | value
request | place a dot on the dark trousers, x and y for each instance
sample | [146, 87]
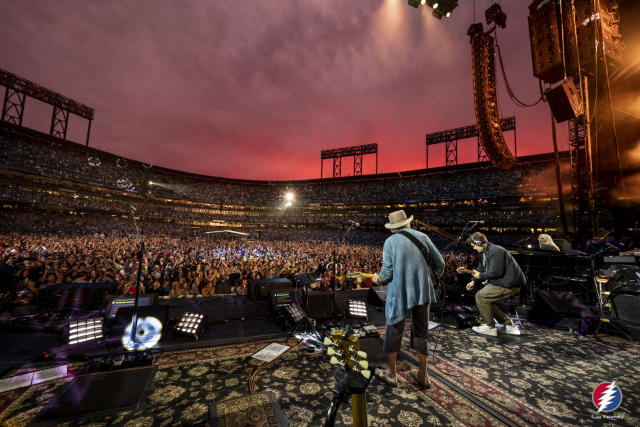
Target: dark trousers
[419, 332]
[486, 300]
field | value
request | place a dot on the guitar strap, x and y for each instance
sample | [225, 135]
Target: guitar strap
[424, 251]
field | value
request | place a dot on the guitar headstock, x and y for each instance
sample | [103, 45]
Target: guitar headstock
[345, 352]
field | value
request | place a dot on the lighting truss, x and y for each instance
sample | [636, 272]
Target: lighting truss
[191, 324]
[357, 309]
[85, 330]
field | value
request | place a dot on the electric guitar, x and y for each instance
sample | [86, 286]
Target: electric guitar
[352, 376]
[463, 270]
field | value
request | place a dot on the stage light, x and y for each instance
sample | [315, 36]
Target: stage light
[289, 197]
[85, 330]
[357, 309]
[191, 325]
[148, 334]
[442, 7]
[288, 204]
[423, 2]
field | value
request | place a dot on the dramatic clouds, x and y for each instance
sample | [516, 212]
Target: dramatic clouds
[255, 89]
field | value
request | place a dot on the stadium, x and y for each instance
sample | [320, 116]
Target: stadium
[165, 281]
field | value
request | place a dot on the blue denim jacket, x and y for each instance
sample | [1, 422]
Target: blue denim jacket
[407, 277]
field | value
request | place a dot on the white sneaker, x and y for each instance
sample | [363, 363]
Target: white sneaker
[486, 330]
[512, 329]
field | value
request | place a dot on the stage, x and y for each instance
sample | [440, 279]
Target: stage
[544, 378]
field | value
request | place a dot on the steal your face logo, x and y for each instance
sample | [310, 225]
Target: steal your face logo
[607, 396]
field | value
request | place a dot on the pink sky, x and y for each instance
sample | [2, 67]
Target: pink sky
[256, 89]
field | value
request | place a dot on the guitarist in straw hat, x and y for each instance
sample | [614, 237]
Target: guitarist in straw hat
[408, 257]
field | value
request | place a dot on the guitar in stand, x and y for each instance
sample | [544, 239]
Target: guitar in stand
[352, 376]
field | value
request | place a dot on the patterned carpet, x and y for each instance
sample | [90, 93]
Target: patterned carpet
[187, 382]
[545, 381]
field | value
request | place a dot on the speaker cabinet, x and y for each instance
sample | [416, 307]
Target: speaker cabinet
[562, 310]
[319, 304]
[565, 101]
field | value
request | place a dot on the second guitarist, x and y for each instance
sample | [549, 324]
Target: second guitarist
[503, 278]
[410, 286]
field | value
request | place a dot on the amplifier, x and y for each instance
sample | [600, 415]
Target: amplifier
[626, 280]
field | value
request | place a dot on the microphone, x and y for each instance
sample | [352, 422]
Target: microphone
[477, 222]
[355, 224]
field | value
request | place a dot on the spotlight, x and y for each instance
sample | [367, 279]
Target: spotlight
[423, 2]
[148, 334]
[357, 309]
[289, 197]
[85, 330]
[150, 182]
[442, 7]
[191, 325]
[288, 204]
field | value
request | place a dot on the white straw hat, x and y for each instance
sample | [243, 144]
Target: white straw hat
[398, 219]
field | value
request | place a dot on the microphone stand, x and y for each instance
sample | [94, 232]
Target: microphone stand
[140, 254]
[464, 230]
[335, 270]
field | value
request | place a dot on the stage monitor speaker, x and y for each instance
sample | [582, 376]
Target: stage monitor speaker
[562, 310]
[261, 289]
[86, 396]
[125, 315]
[319, 304]
[626, 313]
[82, 296]
[565, 101]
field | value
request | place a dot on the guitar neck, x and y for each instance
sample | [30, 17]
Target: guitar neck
[464, 270]
[365, 275]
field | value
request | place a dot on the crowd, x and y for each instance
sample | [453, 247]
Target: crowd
[183, 266]
[63, 160]
[66, 219]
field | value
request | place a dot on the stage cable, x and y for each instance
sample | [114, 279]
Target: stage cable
[510, 91]
[254, 375]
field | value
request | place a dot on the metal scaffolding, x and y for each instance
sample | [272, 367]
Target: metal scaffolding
[16, 91]
[450, 138]
[356, 151]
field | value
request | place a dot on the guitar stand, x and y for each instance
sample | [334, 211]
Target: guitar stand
[349, 383]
